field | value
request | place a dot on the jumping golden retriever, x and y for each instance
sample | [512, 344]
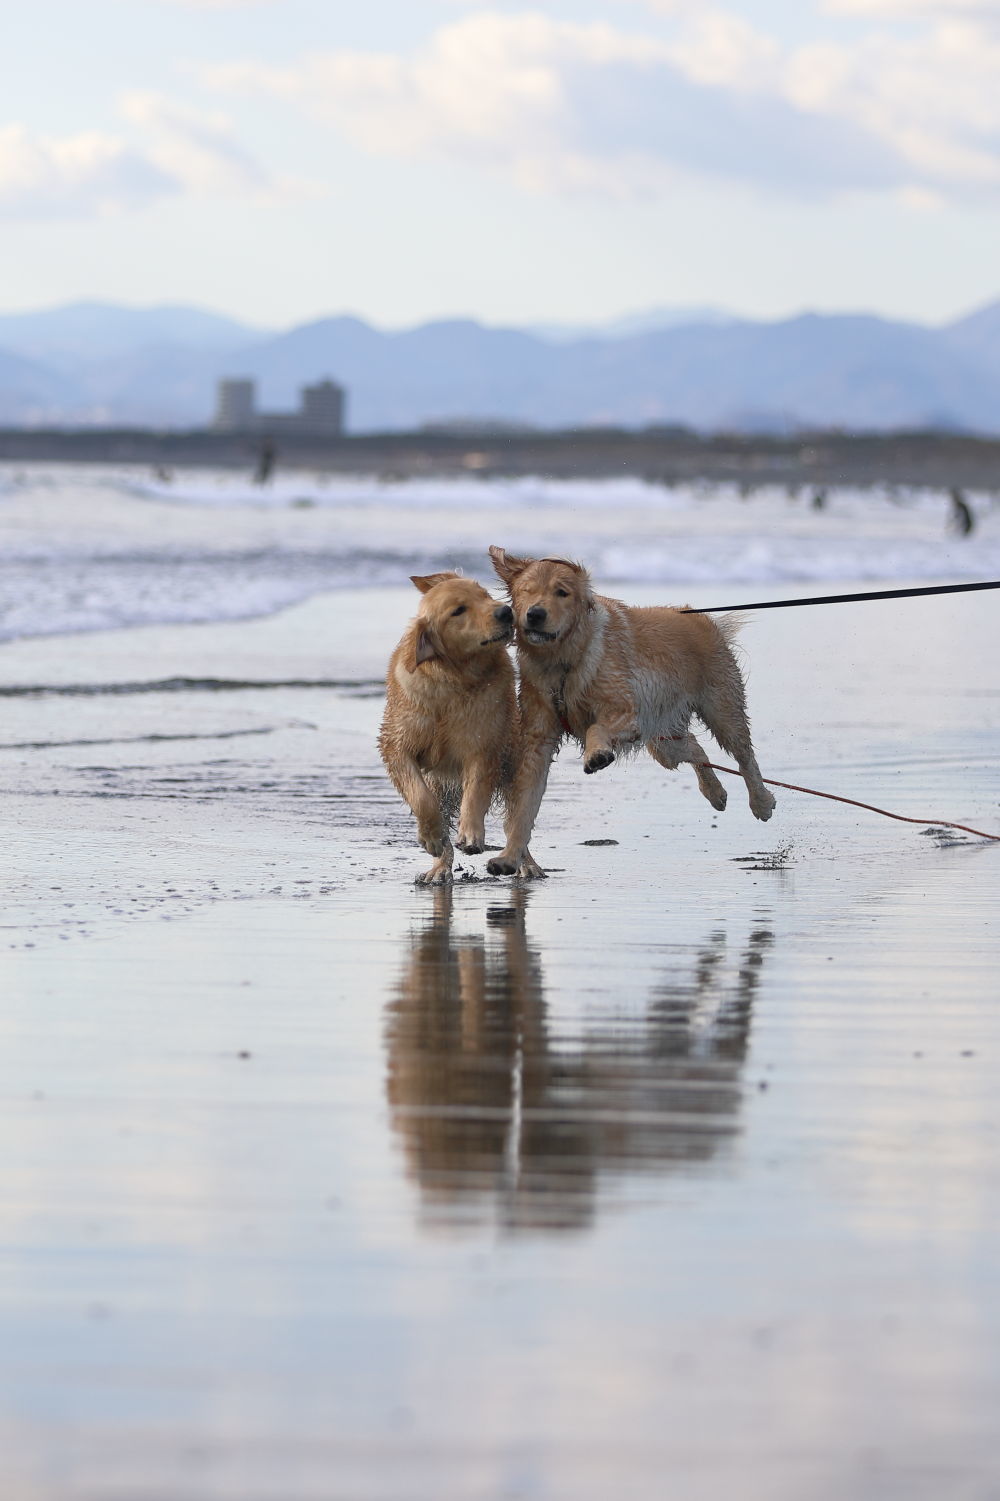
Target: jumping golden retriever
[449, 736]
[615, 677]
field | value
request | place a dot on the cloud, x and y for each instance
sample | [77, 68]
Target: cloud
[78, 176]
[174, 150]
[487, 91]
[560, 106]
[742, 135]
[931, 97]
[913, 9]
[196, 149]
[484, 87]
[717, 47]
[219, 4]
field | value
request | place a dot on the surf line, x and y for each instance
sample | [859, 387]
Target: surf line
[934, 823]
[842, 599]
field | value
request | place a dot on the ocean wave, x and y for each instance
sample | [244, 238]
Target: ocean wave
[84, 551]
[769, 560]
[213, 489]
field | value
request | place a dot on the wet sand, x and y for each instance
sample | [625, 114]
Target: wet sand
[676, 1172]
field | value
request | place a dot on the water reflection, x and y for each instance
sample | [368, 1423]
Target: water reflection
[502, 1113]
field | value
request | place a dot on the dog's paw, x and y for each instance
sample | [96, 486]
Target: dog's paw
[470, 844]
[717, 796]
[438, 875]
[598, 761]
[762, 806]
[503, 864]
[530, 870]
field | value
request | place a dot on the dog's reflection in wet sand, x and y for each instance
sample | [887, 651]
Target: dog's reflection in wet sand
[502, 1116]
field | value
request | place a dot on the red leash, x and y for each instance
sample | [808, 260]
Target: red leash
[870, 807]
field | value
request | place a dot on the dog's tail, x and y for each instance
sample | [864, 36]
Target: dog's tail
[730, 624]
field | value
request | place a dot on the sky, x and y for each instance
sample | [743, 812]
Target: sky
[538, 161]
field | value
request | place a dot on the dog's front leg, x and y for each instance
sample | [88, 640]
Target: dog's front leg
[440, 872]
[425, 804]
[541, 737]
[476, 794]
[621, 728]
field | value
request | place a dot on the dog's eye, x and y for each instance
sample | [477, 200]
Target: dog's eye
[459, 611]
[562, 594]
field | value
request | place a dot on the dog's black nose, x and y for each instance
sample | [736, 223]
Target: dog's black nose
[503, 614]
[536, 615]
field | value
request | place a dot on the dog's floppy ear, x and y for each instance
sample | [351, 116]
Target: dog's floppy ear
[427, 581]
[507, 566]
[425, 648]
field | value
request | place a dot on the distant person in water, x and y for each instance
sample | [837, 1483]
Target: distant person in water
[267, 456]
[962, 519]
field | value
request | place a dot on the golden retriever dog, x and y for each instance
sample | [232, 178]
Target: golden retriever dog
[450, 729]
[615, 677]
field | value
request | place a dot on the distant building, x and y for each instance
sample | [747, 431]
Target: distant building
[234, 410]
[320, 414]
[322, 406]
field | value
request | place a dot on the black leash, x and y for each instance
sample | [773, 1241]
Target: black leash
[842, 599]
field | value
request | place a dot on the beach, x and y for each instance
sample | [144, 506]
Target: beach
[671, 1173]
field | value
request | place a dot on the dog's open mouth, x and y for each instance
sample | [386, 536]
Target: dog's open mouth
[504, 635]
[539, 638]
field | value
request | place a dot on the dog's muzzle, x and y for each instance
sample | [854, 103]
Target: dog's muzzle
[534, 620]
[504, 617]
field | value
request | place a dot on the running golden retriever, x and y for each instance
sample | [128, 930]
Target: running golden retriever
[449, 736]
[615, 677]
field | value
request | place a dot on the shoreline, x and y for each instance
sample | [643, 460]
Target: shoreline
[666, 455]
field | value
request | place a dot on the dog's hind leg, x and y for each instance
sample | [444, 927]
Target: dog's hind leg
[671, 750]
[725, 715]
[529, 868]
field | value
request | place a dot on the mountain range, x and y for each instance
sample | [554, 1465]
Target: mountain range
[100, 363]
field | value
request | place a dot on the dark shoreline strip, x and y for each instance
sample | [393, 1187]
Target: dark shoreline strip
[183, 685]
[17, 745]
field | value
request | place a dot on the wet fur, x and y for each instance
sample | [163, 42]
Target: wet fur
[617, 678]
[449, 736]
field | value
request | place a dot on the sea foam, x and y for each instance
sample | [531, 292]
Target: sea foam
[89, 549]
